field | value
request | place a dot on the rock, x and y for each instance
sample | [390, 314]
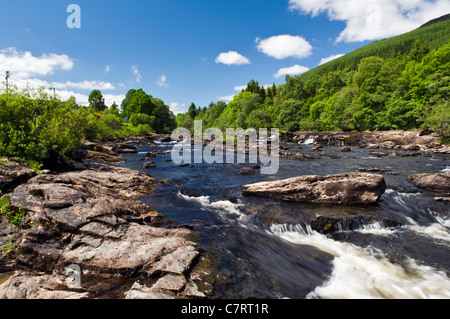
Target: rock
[176, 262]
[170, 282]
[246, 171]
[346, 149]
[38, 286]
[350, 188]
[328, 225]
[92, 219]
[435, 182]
[148, 165]
[149, 155]
[125, 148]
[139, 291]
[14, 173]
[105, 157]
[131, 248]
[191, 290]
[378, 154]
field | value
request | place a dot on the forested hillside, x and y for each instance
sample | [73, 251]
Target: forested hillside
[398, 83]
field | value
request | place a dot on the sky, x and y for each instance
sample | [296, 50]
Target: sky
[184, 51]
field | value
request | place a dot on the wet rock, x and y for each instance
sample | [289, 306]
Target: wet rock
[246, 171]
[350, 188]
[378, 154]
[435, 182]
[125, 148]
[328, 225]
[346, 149]
[13, 173]
[105, 157]
[148, 165]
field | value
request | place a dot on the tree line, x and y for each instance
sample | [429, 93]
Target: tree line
[408, 91]
[42, 129]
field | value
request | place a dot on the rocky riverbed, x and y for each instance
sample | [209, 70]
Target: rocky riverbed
[89, 216]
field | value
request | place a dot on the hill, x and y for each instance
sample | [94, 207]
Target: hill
[434, 33]
[401, 83]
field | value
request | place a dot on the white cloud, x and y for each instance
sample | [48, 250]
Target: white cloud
[232, 58]
[162, 81]
[136, 72]
[227, 98]
[330, 58]
[84, 85]
[107, 68]
[23, 65]
[111, 98]
[293, 70]
[374, 19]
[177, 108]
[285, 46]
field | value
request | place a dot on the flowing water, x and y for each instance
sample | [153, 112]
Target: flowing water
[398, 248]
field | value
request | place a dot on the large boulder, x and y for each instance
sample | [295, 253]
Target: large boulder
[350, 188]
[435, 182]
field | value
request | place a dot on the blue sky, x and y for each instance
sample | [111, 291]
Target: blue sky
[184, 51]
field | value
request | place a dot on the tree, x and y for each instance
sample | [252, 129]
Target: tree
[140, 102]
[114, 109]
[96, 101]
[192, 112]
[126, 101]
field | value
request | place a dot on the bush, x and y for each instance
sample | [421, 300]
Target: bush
[38, 128]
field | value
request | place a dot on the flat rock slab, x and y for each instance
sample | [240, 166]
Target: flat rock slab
[348, 189]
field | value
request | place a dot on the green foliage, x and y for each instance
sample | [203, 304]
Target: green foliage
[96, 101]
[399, 83]
[434, 36]
[158, 118]
[13, 216]
[35, 127]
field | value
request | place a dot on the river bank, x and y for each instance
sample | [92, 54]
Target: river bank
[104, 216]
[89, 219]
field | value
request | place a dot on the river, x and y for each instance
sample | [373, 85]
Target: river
[398, 248]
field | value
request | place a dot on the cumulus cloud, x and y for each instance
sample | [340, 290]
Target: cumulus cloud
[162, 81]
[84, 85]
[227, 98]
[23, 65]
[136, 73]
[330, 58]
[177, 108]
[232, 58]
[293, 70]
[374, 19]
[285, 46]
